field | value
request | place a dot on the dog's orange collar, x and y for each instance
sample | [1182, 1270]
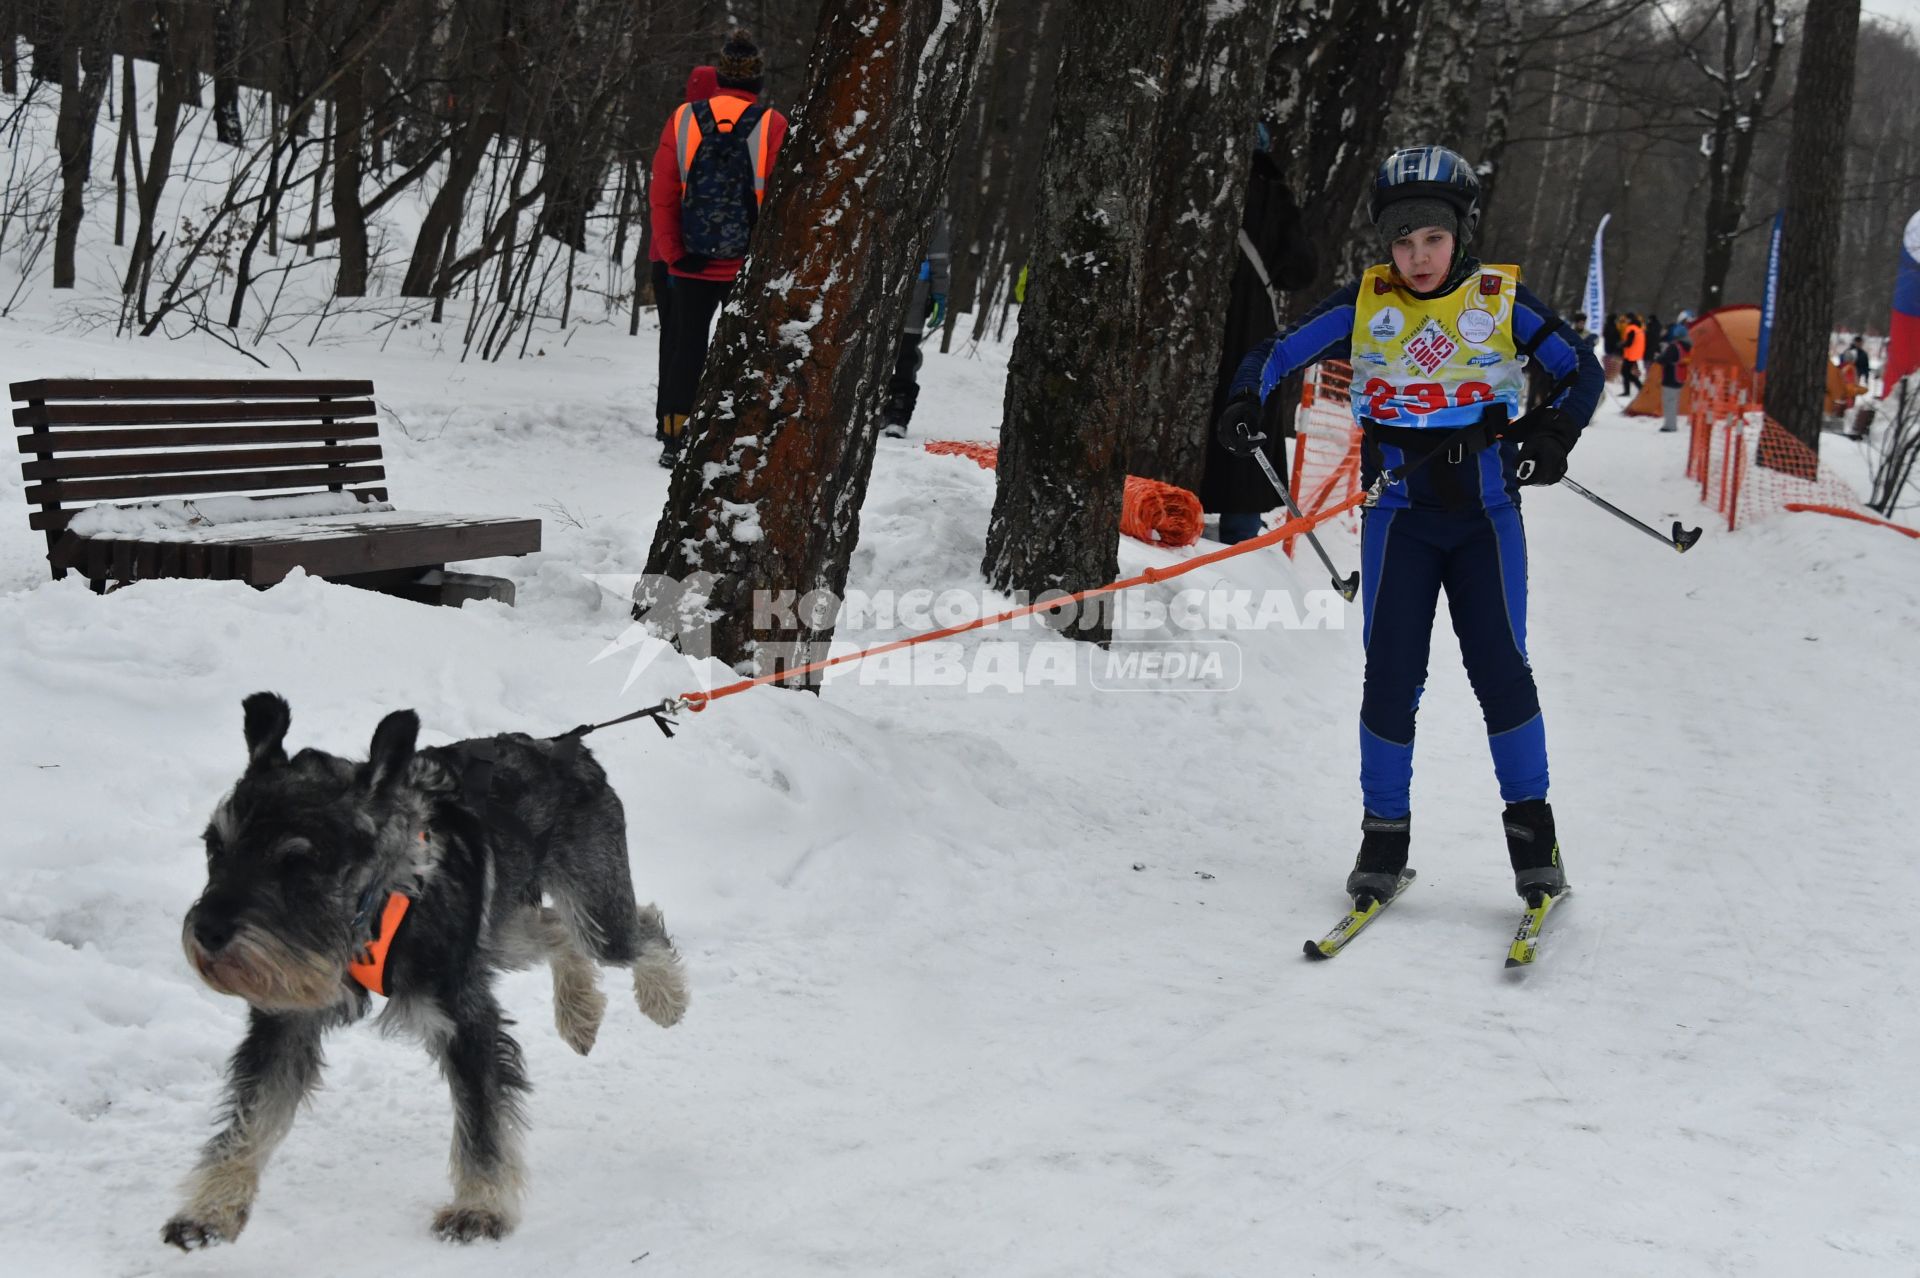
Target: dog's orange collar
[369, 968]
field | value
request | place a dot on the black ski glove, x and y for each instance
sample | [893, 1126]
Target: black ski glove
[1546, 436]
[693, 263]
[1238, 429]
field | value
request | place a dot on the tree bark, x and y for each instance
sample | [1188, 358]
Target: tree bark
[1816, 170]
[1070, 396]
[1331, 149]
[1435, 102]
[172, 77]
[1201, 151]
[767, 497]
[349, 216]
[86, 60]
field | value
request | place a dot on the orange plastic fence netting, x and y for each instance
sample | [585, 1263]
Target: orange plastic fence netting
[1855, 514]
[1164, 514]
[1326, 443]
[1272, 537]
[1749, 466]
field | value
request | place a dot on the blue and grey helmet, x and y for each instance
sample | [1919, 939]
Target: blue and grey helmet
[1431, 173]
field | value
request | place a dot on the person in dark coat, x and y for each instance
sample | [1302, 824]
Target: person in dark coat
[1279, 255]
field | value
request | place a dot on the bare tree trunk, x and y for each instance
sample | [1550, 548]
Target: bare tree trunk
[349, 215]
[768, 497]
[9, 56]
[1499, 122]
[172, 78]
[1331, 150]
[86, 62]
[1435, 102]
[1736, 124]
[226, 73]
[127, 137]
[444, 213]
[1070, 396]
[1816, 168]
[1193, 222]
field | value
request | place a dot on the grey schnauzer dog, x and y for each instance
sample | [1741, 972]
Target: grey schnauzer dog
[417, 874]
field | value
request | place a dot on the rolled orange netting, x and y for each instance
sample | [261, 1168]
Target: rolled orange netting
[1150, 511]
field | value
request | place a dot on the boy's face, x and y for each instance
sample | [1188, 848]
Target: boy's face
[1423, 257]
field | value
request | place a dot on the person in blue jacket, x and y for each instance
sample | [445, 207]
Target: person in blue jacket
[1440, 345]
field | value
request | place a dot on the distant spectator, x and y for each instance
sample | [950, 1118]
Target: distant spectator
[1586, 336]
[1862, 365]
[1672, 359]
[1610, 346]
[709, 179]
[702, 83]
[1633, 349]
[926, 311]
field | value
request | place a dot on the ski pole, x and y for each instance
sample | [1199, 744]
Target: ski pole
[1349, 585]
[1681, 540]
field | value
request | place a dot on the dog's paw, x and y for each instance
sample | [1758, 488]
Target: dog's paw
[189, 1233]
[660, 986]
[469, 1224]
[576, 1014]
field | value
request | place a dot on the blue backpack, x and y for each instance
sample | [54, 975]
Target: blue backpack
[718, 201]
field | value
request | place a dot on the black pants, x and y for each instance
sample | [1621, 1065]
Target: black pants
[663, 311]
[903, 388]
[689, 325]
[1629, 376]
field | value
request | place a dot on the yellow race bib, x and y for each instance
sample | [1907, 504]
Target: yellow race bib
[1436, 362]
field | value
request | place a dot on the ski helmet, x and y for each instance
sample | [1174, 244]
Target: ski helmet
[1432, 172]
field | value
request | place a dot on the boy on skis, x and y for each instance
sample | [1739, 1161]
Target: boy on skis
[1440, 345]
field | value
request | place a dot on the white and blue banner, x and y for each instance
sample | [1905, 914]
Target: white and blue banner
[1597, 280]
[1772, 295]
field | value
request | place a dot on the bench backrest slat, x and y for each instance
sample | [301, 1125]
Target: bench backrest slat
[97, 441]
[90, 388]
[34, 416]
[148, 487]
[185, 462]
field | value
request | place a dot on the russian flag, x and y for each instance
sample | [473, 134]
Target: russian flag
[1903, 347]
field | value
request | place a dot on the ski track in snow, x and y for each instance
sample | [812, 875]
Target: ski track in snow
[940, 1024]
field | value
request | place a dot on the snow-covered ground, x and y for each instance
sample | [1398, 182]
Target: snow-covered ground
[1009, 983]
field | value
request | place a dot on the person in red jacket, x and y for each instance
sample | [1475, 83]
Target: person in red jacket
[702, 84]
[700, 215]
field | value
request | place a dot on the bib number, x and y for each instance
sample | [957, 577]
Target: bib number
[1386, 402]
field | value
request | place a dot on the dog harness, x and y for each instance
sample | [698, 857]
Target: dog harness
[369, 967]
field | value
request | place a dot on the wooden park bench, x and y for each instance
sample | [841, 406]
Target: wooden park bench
[132, 479]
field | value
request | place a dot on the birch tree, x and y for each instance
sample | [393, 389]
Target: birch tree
[1070, 399]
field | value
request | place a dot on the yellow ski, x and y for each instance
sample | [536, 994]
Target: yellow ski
[1526, 939]
[1349, 927]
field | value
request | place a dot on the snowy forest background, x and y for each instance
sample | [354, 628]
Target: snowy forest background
[301, 160]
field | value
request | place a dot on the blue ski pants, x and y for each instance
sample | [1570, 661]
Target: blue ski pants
[1479, 558]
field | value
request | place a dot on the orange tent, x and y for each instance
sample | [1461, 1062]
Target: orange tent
[1728, 338]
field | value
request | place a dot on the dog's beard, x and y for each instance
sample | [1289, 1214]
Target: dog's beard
[269, 974]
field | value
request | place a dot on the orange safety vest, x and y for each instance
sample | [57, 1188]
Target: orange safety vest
[727, 111]
[1633, 342]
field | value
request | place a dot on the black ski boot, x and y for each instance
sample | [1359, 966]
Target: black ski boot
[1384, 842]
[1534, 849]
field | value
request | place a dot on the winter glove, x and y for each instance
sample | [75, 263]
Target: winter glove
[692, 264]
[936, 311]
[1546, 436]
[1238, 429]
